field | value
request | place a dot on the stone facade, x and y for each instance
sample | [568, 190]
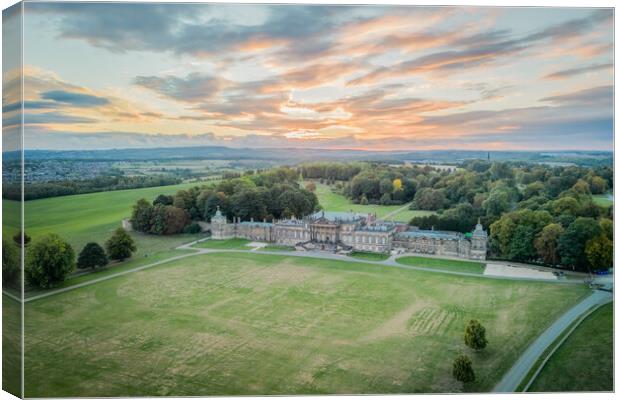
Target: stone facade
[350, 231]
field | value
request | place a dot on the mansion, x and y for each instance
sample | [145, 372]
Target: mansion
[343, 231]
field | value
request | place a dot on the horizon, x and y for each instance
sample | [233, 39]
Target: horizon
[337, 77]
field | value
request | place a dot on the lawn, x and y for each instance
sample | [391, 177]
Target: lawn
[277, 247]
[245, 323]
[235, 244]
[336, 202]
[363, 255]
[584, 362]
[84, 217]
[603, 200]
[11, 345]
[443, 264]
[111, 269]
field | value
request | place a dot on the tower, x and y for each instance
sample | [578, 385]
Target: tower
[479, 239]
[220, 229]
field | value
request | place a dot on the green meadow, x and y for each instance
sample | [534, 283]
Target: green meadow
[603, 200]
[443, 264]
[246, 323]
[585, 361]
[331, 201]
[88, 217]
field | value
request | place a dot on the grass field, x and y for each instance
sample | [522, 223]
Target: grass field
[236, 244]
[362, 255]
[336, 202]
[584, 362]
[277, 247]
[232, 323]
[87, 217]
[443, 264]
[603, 200]
[11, 345]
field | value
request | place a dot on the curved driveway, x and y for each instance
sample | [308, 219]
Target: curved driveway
[524, 364]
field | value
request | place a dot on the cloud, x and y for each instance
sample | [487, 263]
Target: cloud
[482, 49]
[567, 73]
[195, 87]
[74, 99]
[601, 95]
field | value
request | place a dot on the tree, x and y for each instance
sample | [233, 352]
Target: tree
[120, 245]
[598, 185]
[546, 243]
[521, 245]
[176, 220]
[10, 263]
[475, 335]
[48, 261]
[163, 200]
[311, 186]
[572, 243]
[600, 252]
[142, 215]
[363, 200]
[92, 256]
[18, 239]
[462, 369]
[398, 184]
[429, 199]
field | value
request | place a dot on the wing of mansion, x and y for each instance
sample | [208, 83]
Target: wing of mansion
[343, 231]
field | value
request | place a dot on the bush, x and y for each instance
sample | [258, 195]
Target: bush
[120, 245]
[462, 369]
[92, 256]
[194, 227]
[475, 335]
[48, 261]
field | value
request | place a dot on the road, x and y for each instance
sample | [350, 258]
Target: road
[524, 364]
[389, 215]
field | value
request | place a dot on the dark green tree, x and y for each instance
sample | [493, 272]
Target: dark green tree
[462, 369]
[142, 215]
[10, 263]
[120, 245]
[475, 335]
[48, 261]
[92, 256]
[17, 238]
[572, 243]
[522, 246]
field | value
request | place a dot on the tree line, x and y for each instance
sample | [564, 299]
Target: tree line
[273, 194]
[50, 258]
[41, 190]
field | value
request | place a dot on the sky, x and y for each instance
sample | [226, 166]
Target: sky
[121, 75]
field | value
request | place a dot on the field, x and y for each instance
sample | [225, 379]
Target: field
[363, 255]
[603, 200]
[233, 323]
[86, 217]
[443, 264]
[238, 244]
[584, 362]
[336, 202]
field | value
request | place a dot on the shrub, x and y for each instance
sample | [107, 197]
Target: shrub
[462, 369]
[475, 335]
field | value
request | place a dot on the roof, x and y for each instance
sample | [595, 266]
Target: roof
[337, 216]
[266, 224]
[381, 227]
[432, 234]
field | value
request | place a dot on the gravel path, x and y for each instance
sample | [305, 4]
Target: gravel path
[524, 364]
